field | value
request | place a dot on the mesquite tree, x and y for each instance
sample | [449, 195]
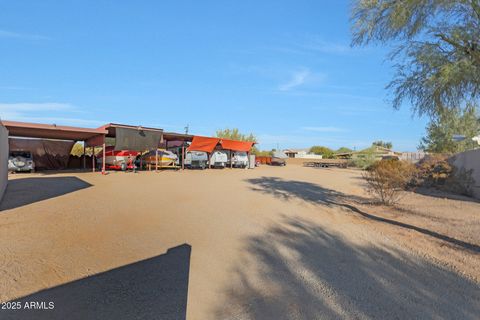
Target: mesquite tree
[436, 49]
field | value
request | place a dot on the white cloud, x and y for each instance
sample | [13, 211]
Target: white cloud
[26, 106]
[29, 112]
[298, 78]
[324, 129]
[301, 78]
[24, 36]
[327, 47]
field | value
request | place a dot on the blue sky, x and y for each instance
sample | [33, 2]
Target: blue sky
[283, 70]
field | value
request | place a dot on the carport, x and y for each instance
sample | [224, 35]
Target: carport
[90, 137]
[208, 144]
[135, 138]
[177, 139]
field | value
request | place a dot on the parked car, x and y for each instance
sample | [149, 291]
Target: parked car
[278, 159]
[20, 161]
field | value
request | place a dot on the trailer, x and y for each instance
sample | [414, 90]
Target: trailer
[326, 163]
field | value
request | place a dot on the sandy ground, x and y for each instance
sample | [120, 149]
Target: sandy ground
[270, 243]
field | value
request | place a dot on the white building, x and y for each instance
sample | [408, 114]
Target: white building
[301, 154]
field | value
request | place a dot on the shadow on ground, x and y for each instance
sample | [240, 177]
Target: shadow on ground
[23, 191]
[310, 192]
[298, 270]
[432, 192]
[155, 288]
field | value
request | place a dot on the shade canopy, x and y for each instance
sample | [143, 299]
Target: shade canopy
[205, 144]
[234, 145]
[136, 138]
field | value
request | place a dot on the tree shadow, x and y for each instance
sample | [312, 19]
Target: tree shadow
[298, 270]
[154, 288]
[310, 192]
[24, 191]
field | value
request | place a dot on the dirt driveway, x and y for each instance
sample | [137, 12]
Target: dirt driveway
[269, 243]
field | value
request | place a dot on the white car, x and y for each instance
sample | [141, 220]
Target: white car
[19, 161]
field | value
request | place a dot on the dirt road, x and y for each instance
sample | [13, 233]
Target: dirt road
[269, 243]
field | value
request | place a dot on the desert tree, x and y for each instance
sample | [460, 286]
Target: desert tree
[448, 122]
[436, 49]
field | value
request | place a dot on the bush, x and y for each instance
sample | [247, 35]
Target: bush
[363, 160]
[433, 171]
[436, 171]
[387, 178]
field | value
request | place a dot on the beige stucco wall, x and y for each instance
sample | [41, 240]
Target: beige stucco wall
[3, 159]
[470, 160]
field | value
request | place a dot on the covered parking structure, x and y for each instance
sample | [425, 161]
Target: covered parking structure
[35, 131]
[172, 139]
[124, 137]
[208, 145]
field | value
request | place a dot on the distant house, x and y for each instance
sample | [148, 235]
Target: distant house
[373, 151]
[301, 154]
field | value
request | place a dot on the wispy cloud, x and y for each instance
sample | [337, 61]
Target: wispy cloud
[319, 45]
[314, 44]
[34, 112]
[300, 78]
[43, 106]
[324, 129]
[22, 36]
[297, 79]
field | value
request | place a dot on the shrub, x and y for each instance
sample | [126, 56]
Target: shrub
[436, 171]
[433, 170]
[387, 178]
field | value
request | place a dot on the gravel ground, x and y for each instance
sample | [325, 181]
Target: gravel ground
[269, 243]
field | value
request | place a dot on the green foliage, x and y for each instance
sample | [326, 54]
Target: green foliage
[383, 144]
[363, 159]
[327, 153]
[343, 150]
[264, 153]
[235, 134]
[442, 127]
[387, 178]
[437, 49]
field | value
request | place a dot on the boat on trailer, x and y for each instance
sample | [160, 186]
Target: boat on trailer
[118, 159]
[165, 158]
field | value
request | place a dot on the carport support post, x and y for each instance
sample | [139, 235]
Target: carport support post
[183, 156]
[209, 160]
[103, 159]
[93, 158]
[156, 160]
[231, 160]
[84, 156]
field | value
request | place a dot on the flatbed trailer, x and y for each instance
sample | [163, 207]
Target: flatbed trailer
[326, 163]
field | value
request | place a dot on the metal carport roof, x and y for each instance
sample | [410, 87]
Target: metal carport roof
[51, 131]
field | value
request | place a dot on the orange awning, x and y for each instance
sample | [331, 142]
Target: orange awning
[234, 145]
[206, 144]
